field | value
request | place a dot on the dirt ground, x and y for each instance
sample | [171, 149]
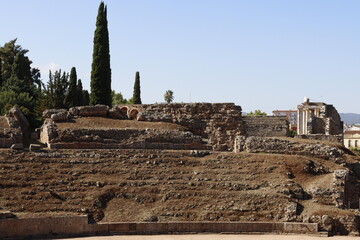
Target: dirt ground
[108, 123]
[211, 237]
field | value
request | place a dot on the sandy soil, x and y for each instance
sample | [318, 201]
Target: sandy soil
[212, 237]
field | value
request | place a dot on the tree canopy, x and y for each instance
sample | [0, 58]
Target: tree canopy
[169, 96]
[256, 113]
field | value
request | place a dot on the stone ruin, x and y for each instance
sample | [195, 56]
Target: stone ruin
[15, 129]
[319, 121]
[196, 126]
[207, 126]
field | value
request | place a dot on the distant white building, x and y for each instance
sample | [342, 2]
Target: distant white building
[352, 138]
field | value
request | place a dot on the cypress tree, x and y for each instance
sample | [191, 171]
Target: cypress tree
[71, 99]
[86, 97]
[100, 70]
[137, 92]
[80, 93]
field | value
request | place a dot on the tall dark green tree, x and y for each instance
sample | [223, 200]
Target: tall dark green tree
[136, 95]
[71, 99]
[56, 89]
[86, 97]
[100, 70]
[80, 93]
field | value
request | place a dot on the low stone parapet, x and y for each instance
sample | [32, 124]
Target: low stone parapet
[57, 138]
[283, 146]
[322, 137]
[79, 226]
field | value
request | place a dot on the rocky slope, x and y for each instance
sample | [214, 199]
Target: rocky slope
[149, 185]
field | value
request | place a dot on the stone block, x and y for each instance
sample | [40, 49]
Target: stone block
[35, 147]
[59, 117]
[93, 111]
[16, 113]
[17, 146]
[48, 112]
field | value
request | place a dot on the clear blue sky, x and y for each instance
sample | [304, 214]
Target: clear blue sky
[259, 54]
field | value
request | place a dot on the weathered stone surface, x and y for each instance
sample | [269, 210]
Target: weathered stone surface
[218, 122]
[90, 111]
[322, 137]
[291, 212]
[48, 112]
[17, 146]
[266, 126]
[116, 113]
[337, 225]
[35, 147]
[315, 168]
[339, 181]
[16, 113]
[121, 138]
[74, 111]
[59, 117]
[6, 214]
[282, 146]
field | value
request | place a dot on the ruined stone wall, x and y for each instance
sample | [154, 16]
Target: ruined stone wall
[336, 125]
[11, 134]
[119, 138]
[322, 137]
[78, 225]
[218, 122]
[318, 125]
[282, 146]
[266, 126]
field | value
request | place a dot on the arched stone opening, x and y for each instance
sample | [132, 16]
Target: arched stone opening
[124, 110]
[133, 114]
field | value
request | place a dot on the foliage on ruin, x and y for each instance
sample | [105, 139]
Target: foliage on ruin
[136, 95]
[257, 112]
[100, 69]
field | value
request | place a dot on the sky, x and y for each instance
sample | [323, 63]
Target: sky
[259, 54]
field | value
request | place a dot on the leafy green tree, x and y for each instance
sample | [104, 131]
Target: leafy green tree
[86, 98]
[136, 95]
[20, 84]
[256, 113]
[56, 89]
[24, 101]
[117, 98]
[100, 70]
[8, 53]
[79, 93]
[71, 99]
[20, 79]
[169, 96]
[16, 72]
